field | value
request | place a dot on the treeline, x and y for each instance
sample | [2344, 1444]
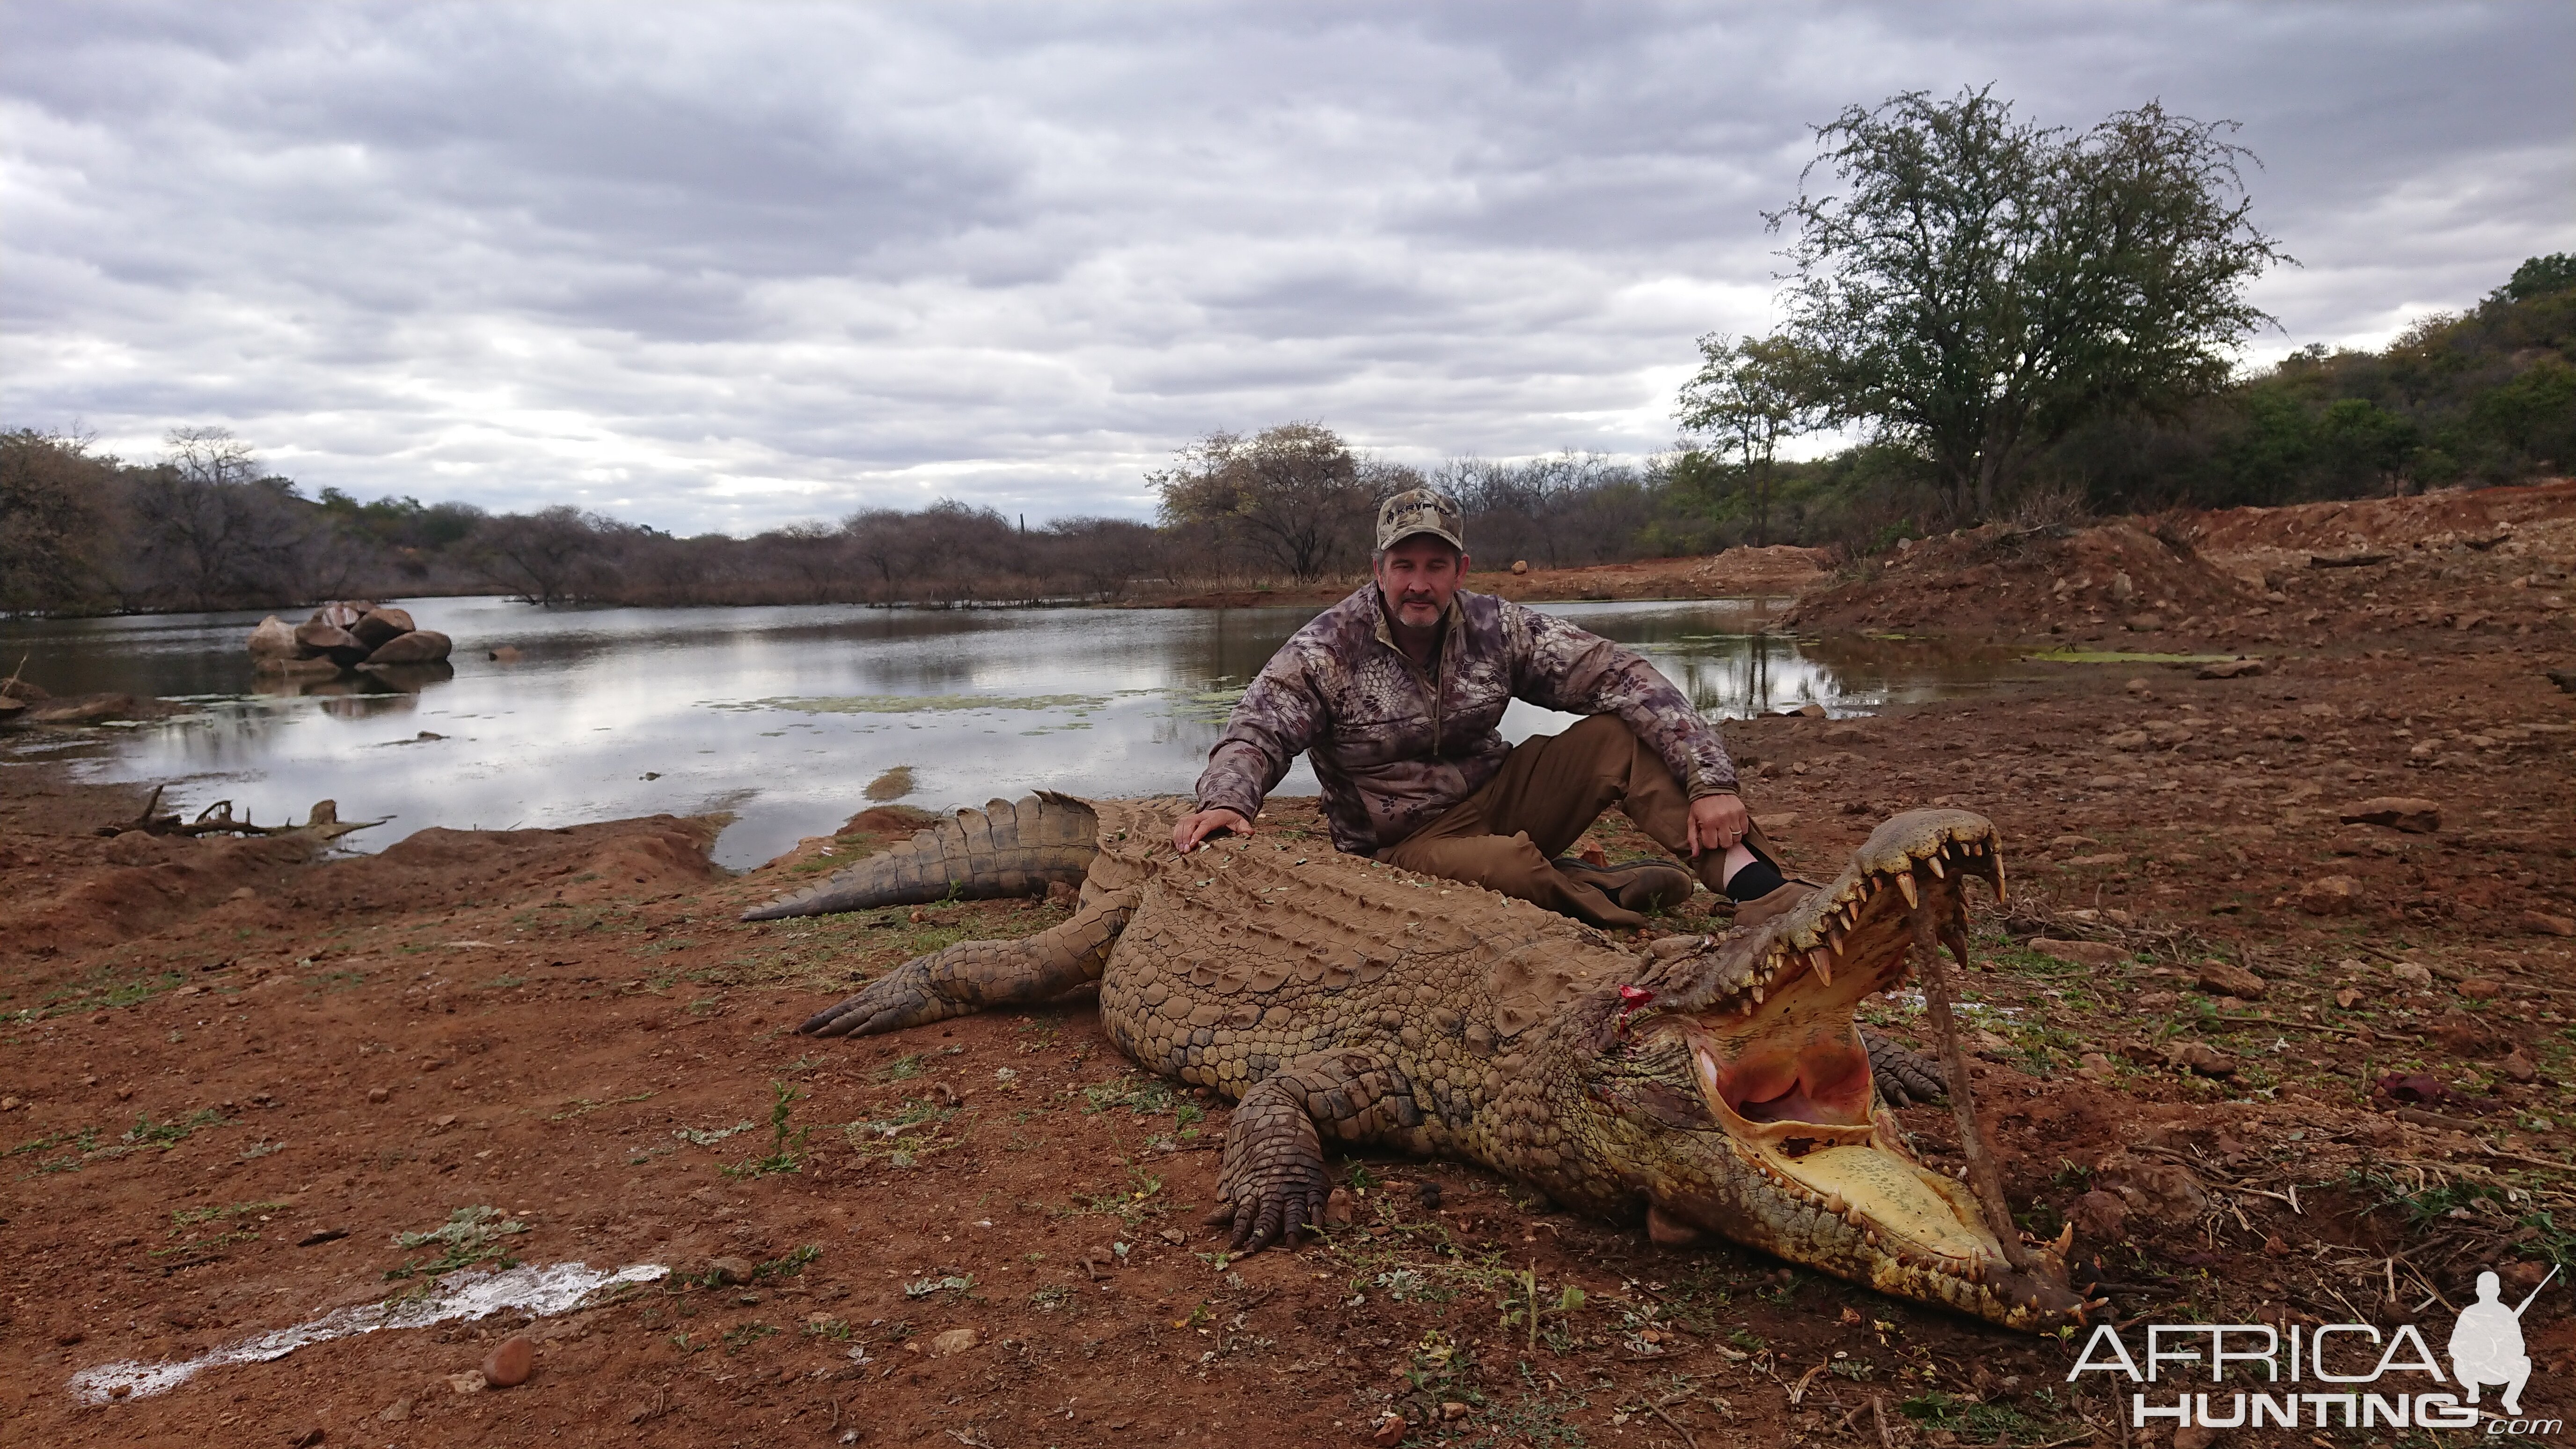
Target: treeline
[2486, 396]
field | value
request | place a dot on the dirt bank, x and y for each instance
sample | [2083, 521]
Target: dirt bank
[235, 1074]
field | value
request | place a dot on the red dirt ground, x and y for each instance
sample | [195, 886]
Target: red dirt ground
[220, 1051]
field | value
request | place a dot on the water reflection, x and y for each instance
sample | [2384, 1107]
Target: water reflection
[780, 715]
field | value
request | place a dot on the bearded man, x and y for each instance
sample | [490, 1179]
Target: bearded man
[1397, 692]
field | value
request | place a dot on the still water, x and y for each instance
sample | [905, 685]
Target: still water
[782, 716]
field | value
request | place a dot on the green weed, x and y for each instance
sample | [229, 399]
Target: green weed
[470, 1235]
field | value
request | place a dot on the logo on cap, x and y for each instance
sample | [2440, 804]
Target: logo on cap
[1420, 510]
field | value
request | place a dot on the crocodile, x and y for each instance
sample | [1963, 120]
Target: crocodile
[1711, 1085]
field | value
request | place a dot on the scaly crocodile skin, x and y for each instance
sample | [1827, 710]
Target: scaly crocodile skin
[1717, 1083]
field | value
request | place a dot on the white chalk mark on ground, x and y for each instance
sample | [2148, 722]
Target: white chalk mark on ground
[536, 1288]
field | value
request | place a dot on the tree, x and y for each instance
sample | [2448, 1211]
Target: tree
[1981, 285]
[545, 557]
[1748, 396]
[1294, 495]
[211, 529]
[51, 516]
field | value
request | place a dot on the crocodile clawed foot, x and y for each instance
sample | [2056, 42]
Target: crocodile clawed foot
[896, 1000]
[1904, 1075]
[1281, 1214]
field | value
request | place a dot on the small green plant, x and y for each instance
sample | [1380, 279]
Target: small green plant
[147, 1133]
[1048, 1300]
[901, 1069]
[786, 1148]
[709, 1138]
[787, 1267]
[583, 1106]
[470, 1235]
[743, 1336]
[832, 1328]
[925, 1287]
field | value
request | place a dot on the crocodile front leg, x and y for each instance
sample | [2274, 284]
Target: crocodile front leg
[1272, 1185]
[1904, 1075]
[973, 975]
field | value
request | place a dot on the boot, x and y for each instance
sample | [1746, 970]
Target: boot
[1641, 886]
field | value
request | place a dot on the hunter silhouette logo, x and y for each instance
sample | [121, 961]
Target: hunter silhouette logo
[2486, 1344]
[2363, 1376]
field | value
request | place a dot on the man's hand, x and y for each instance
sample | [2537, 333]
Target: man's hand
[1716, 822]
[1193, 828]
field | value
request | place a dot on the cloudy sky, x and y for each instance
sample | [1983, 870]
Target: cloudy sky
[721, 266]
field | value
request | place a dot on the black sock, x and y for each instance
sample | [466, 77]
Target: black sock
[1754, 881]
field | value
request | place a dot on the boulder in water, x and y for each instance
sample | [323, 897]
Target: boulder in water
[318, 640]
[378, 626]
[274, 639]
[420, 646]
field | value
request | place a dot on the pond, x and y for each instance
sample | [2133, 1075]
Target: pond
[783, 716]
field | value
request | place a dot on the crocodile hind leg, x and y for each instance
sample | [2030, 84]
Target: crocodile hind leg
[972, 975]
[1272, 1185]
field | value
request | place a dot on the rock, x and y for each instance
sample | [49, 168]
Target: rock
[305, 1438]
[1452, 1410]
[1520, 565]
[23, 692]
[2143, 623]
[379, 1094]
[2221, 978]
[318, 640]
[1337, 1209]
[1058, 893]
[2542, 923]
[2417, 976]
[2080, 953]
[1775, 823]
[274, 639]
[2100, 1216]
[420, 646]
[378, 625]
[468, 1382]
[506, 654]
[2136, 686]
[2072, 842]
[2397, 812]
[1388, 1428]
[729, 1271]
[2231, 669]
[2332, 895]
[2167, 1192]
[2200, 1059]
[2122, 588]
[2479, 988]
[954, 1341]
[508, 1365]
[1809, 710]
[1989, 1045]
[2095, 1067]
[2466, 1035]
[396, 1412]
[2518, 1065]
[1845, 734]
[2128, 740]
[11, 708]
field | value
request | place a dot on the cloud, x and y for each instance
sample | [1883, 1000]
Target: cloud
[717, 267]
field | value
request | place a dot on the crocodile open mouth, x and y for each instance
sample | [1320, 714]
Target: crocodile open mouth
[1781, 1066]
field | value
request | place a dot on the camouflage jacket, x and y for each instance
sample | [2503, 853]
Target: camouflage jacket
[1395, 749]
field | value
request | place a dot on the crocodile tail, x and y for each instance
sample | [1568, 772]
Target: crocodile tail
[1008, 848]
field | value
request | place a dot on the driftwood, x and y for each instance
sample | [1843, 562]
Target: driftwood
[323, 823]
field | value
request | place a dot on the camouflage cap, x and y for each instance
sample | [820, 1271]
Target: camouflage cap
[1420, 510]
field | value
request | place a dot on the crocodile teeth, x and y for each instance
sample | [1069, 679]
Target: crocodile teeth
[1905, 883]
[1757, 994]
[1834, 1203]
[2065, 1240]
[1999, 878]
[1822, 962]
[1932, 863]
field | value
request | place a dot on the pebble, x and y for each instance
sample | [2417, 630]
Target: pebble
[2332, 895]
[2479, 988]
[2396, 812]
[2094, 1067]
[2202, 1059]
[2222, 978]
[379, 1094]
[1389, 1428]
[954, 1341]
[2412, 974]
[729, 1271]
[396, 1412]
[2519, 1066]
[508, 1365]
[2542, 923]
[2080, 953]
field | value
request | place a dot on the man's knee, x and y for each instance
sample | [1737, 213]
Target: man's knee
[1507, 864]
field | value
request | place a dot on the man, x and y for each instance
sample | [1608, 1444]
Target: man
[1396, 692]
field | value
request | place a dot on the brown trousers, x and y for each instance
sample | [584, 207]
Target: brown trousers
[1550, 789]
